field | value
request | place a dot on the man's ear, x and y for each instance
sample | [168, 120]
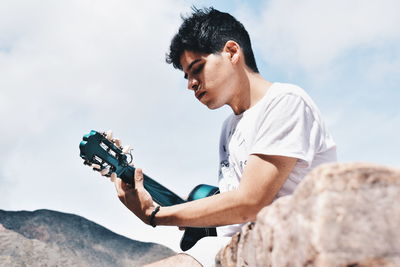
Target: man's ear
[233, 49]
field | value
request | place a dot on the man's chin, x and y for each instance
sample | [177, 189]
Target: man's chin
[212, 106]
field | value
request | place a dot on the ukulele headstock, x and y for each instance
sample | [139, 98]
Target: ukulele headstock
[104, 154]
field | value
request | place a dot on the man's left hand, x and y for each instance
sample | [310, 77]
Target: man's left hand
[136, 198]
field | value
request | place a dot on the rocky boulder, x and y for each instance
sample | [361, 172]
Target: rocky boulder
[340, 215]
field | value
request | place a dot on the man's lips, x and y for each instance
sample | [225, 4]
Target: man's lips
[199, 94]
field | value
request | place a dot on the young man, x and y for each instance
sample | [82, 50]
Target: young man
[274, 137]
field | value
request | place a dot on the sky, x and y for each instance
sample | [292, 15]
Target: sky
[67, 67]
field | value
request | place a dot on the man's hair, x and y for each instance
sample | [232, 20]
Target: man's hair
[207, 31]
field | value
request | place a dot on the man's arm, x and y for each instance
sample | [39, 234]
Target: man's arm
[262, 179]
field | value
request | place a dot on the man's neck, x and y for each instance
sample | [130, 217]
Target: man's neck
[252, 88]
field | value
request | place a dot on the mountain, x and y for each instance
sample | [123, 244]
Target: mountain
[51, 238]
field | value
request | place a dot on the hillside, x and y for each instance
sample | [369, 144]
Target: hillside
[51, 238]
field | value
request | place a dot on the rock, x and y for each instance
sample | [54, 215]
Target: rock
[181, 259]
[340, 215]
[228, 255]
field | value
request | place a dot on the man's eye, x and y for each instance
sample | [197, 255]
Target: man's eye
[198, 69]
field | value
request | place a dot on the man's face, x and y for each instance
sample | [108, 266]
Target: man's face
[210, 76]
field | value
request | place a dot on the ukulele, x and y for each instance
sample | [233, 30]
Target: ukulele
[106, 155]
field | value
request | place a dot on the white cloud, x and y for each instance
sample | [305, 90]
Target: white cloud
[70, 53]
[311, 34]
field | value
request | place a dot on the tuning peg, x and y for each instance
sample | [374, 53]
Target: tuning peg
[117, 142]
[126, 149]
[96, 167]
[109, 135]
[104, 171]
[113, 177]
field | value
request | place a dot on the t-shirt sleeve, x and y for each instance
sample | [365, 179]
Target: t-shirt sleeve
[288, 127]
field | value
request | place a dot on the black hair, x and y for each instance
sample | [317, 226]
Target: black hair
[206, 31]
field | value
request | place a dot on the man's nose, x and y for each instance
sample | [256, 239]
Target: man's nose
[193, 84]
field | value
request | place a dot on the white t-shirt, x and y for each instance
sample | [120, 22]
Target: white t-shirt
[285, 122]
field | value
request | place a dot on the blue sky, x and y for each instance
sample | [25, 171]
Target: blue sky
[67, 67]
